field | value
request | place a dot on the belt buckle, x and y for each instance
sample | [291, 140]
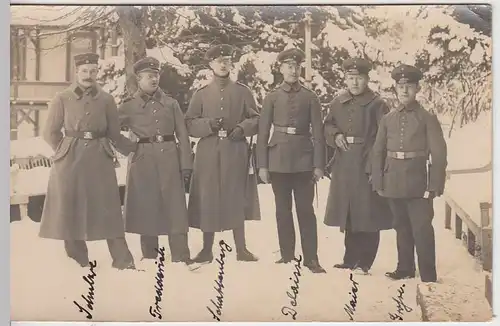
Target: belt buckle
[291, 130]
[87, 135]
[400, 155]
[159, 138]
[222, 133]
[350, 139]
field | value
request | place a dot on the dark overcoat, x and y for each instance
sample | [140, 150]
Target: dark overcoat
[351, 194]
[155, 201]
[409, 129]
[83, 201]
[219, 190]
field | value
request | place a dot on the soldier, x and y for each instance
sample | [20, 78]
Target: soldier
[222, 114]
[350, 128]
[402, 173]
[291, 161]
[155, 202]
[83, 200]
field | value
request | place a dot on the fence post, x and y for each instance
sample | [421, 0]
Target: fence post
[486, 237]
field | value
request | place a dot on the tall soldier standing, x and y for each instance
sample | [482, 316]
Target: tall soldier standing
[83, 200]
[405, 139]
[350, 128]
[222, 114]
[155, 202]
[291, 161]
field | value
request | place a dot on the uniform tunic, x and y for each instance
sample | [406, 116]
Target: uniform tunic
[83, 201]
[350, 192]
[155, 202]
[218, 191]
[287, 153]
[409, 130]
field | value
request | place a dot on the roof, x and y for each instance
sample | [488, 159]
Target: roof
[50, 15]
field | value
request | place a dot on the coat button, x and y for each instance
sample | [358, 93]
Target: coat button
[162, 150]
[154, 111]
[221, 108]
[157, 120]
[87, 113]
[86, 144]
[158, 130]
[152, 102]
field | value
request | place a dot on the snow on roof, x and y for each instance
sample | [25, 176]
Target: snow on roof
[50, 15]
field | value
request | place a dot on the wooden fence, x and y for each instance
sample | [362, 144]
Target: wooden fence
[476, 237]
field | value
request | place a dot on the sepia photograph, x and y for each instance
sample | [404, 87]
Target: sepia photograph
[244, 163]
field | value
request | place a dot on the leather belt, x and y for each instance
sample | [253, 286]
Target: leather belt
[155, 139]
[406, 155]
[88, 135]
[289, 130]
[354, 140]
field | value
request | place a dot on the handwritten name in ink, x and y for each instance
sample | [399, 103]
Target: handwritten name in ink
[401, 306]
[219, 282]
[285, 310]
[155, 312]
[351, 308]
[89, 298]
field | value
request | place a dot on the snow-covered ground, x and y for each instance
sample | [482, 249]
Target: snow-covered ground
[44, 282]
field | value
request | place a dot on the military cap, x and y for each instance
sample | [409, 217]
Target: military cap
[294, 54]
[406, 74]
[147, 63]
[221, 50]
[357, 65]
[86, 58]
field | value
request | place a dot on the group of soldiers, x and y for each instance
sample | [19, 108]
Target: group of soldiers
[380, 173]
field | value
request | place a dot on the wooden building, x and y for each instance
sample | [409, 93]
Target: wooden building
[43, 41]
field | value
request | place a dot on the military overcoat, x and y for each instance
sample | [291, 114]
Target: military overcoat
[83, 201]
[219, 190]
[409, 129]
[296, 107]
[155, 201]
[350, 194]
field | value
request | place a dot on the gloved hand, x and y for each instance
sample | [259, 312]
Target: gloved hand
[237, 134]
[264, 175]
[215, 124]
[318, 174]
[429, 195]
[341, 142]
[186, 174]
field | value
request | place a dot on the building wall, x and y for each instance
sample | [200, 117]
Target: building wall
[53, 66]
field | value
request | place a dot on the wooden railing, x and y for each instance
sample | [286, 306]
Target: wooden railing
[477, 237]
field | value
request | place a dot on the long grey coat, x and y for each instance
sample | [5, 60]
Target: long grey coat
[350, 191]
[83, 201]
[155, 201]
[220, 191]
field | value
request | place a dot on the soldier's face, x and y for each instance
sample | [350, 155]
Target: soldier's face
[356, 83]
[290, 72]
[148, 81]
[407, 92]
[86, 74]
[222, 66]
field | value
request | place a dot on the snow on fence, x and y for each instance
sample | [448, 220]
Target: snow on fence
[468, 214]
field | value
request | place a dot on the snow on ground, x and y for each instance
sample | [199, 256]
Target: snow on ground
[253, 291]
[44, 282]
[30, 147]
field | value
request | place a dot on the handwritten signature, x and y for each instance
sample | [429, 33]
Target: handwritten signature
[220, 281]
[89, 298]
[155, 312]
[351, 308]
[401, 306]
[295, 288]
